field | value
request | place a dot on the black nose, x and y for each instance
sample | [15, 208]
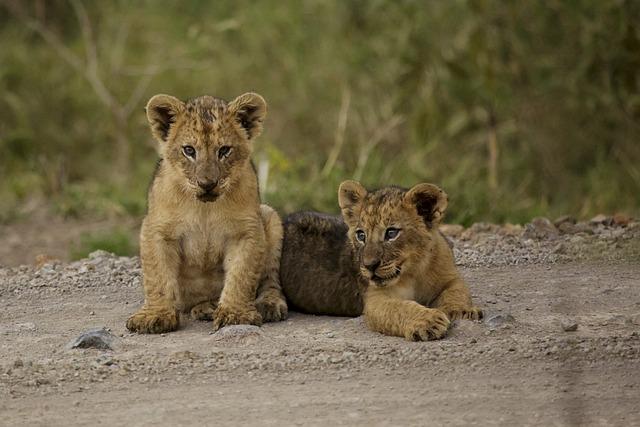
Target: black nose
[207, 186]
[373, 265]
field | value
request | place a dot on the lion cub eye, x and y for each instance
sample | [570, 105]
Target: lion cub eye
[391, 233]
[224, 151]
[361, 236]
[189, 151]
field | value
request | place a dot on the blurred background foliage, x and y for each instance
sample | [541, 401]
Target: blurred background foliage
[516, 108]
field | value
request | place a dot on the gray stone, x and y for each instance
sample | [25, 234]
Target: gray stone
[93, 338]
[540, 228]
[569, 326]
[238, 333]
[602, 219]
[564, 219]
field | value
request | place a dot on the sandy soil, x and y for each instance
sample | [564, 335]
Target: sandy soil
[519, 370]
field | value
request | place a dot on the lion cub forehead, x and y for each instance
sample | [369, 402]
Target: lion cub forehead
[207, 109]
[383, 206]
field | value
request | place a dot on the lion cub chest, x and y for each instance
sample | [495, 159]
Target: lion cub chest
[202, 247]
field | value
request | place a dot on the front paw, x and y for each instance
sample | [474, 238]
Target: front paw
[153, 321]
[272, 309]
[463, 313]
[227, 315]
[430, 324]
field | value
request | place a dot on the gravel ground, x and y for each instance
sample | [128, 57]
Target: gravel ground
[560, 346]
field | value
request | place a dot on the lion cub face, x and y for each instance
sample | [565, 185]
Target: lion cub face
[391, 229]
[205, 140]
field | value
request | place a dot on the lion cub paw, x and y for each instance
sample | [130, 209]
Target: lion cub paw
[430, 324]
[272, 309]
[203, 311]
[225, 316]
[464, 313]
[153, 321]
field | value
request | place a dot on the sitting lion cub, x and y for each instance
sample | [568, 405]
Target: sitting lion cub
[207, 245]
[387, 259]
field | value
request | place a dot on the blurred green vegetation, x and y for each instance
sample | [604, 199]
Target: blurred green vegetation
[117, 241]
[517, 109]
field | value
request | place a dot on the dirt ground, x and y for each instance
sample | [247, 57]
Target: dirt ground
[519, 367]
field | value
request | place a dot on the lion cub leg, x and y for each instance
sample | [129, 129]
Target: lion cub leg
[393, 316]
[160, 262]
[270, 301]
[243, 266]
[455, 301]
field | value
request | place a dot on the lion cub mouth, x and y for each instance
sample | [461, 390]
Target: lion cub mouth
[385, 280]
[208, 197]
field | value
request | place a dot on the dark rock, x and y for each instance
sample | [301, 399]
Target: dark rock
[93, 338]
[569, 326]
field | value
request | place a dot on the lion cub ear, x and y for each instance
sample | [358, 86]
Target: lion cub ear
[350, 196]
[429, 201]
[162, 111]
[248, 111]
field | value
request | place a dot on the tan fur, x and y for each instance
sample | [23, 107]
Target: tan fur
[415, 291]
[207, 245]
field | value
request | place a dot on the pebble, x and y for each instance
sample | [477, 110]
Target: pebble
[569, 326]
[238, 333]
[93, 338]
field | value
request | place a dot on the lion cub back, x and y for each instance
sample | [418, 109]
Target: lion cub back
[317, 271]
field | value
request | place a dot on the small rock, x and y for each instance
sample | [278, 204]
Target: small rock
[564, 219]
[621, 220]
[44, 259]
[330, 335]
[633, 319]
[92, 313]
[238, 333]
[540, 228]
[105, 359]
[583, 227]
[100, 254]
[498, 320]
[601, 219]
[569, 326]
[93, 338]
[567, 228]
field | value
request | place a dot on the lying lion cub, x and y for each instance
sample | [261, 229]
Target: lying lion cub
[387, 259]
[207, 245]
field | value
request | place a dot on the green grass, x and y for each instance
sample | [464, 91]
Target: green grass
[118, 241]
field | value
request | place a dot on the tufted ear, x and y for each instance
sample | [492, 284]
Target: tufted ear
[161, 114]
[350, 196]
[429, 201]
[249, 111]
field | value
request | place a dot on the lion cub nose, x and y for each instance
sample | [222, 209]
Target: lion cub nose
[207, 185]
[372, 265]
